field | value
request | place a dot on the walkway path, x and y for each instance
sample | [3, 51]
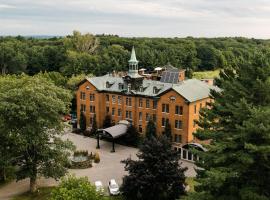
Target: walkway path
[108, 168]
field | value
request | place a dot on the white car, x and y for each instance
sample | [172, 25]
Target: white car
[113, 187]
[99, 186]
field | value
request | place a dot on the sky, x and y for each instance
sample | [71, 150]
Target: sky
[137, 18]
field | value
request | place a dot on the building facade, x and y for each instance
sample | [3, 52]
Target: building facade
[171, 100]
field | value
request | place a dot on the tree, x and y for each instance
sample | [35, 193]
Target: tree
[168, 131]
[94, 125]
[87, 43]
[107, 121]
[157, 173]
[30, 114]
[237, 163]
[12, 60]
[150, 129]
[82, 121]
[73, 188]
[132, 137]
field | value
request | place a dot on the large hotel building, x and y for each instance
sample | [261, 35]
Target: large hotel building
[133, 97]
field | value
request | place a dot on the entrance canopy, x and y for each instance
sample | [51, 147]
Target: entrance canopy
[113, 132]
[116, 131]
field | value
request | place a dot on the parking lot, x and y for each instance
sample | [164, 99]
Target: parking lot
[110, 166]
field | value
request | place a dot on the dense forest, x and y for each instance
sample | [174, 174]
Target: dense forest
[100, 54]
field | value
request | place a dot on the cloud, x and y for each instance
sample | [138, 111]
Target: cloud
[206, 18]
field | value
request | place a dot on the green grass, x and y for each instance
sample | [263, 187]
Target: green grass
[42, 194]
[206, 74]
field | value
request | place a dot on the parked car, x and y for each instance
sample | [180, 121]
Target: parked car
[113, 187]
[99, 186]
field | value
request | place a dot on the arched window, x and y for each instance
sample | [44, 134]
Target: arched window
[141, 88]
[155, 90]
[107, 84]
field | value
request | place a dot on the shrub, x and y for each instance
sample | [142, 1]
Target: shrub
[73, 188]
[81, 152]
[96, 158]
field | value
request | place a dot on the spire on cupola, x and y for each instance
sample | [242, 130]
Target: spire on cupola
[133, 62]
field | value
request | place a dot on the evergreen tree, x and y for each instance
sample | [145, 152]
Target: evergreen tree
[237, 163]
[157, 173]
[132, 136]
[94, 125]
[168, 131]
[151, 129]
[82, 121]
[107, 121]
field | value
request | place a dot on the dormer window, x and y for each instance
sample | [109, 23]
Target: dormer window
[121, 86]
[129, 87]
[141, 88]
[107, 84]
[155, 90]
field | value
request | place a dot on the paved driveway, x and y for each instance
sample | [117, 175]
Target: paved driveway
[110, 166]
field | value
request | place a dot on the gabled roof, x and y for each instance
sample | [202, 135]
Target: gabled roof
[191, 89]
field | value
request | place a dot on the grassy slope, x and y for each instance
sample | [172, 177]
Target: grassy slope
[206, 74]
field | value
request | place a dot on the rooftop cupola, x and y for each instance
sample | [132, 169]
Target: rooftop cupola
[133, 63]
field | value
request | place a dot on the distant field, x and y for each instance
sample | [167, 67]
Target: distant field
[206, 74]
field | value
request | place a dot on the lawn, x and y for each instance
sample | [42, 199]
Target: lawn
[44, 194]
[206, 74]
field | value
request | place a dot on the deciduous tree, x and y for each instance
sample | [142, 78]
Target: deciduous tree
[30, 114]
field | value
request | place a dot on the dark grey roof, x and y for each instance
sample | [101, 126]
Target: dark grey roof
[191, 89]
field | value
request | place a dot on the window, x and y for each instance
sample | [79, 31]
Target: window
[107, 84]
[154, 104]
[119, 100]
[83, 107]
[140, 116]
[113, 111]
[113, 99]
[82, 95]
[128, 101]
[194, 123]
[177, 138]
[154, 117]
[178, 124]
[119, 113]
[141, 88]
[195, 109]
[140, 102]
[164, 122]
[179, 110]
[107, 109]
[129, 87]
[92, 97]
[128, 114]
[165, 108]
[147, 103]
[121, 86]
[147, 117]
[91, 120]
[155, 90]
[200, 105]
[107, 97]
[92, 109]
